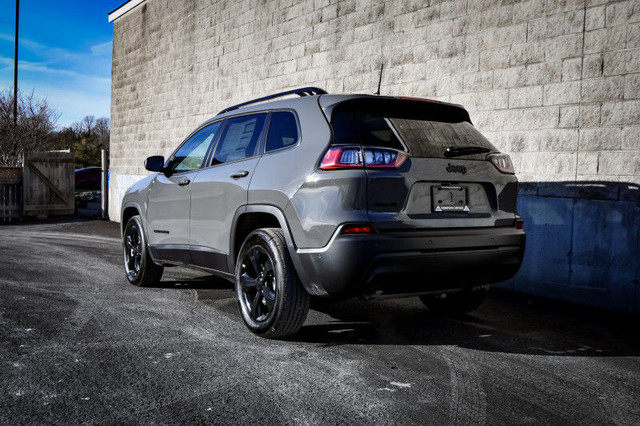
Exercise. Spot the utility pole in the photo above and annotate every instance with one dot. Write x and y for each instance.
(15, 71)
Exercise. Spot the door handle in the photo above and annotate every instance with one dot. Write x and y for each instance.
(184, 181)
(240, 174)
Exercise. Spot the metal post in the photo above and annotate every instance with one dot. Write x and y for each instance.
(104, 184)
(15, 70)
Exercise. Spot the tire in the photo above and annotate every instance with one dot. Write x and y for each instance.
(138, 265)
(454, 304)
(271, 299)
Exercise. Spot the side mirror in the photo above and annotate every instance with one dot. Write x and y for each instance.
(154, 163)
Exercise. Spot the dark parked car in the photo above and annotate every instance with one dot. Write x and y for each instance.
(330, 196)
(88, 179)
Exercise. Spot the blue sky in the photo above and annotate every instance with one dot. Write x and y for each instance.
(65, 54)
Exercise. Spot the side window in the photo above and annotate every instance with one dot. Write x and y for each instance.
(191, 154)
(283, 130)
(240, 138)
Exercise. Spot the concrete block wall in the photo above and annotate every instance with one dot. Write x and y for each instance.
(555, 83)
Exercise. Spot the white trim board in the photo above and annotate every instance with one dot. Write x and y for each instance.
(123, 9)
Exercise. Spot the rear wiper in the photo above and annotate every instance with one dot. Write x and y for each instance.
(457, 151)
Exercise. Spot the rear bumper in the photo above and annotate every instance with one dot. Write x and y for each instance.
(406, 263)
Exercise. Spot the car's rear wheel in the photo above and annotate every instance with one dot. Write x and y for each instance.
(458, 303)
(138, 265)
(271, 298)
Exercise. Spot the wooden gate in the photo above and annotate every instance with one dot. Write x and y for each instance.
(10, 193)
(48, 183)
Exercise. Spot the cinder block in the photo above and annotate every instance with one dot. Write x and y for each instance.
(523, 141)
(468, 24)
(509, 77)
(612, 113)
(453, 9)
(571, 69)
(631, 112)
(528, 10)
(550, 163)
(588, 162)
(631, 137)
(622, 13)
(525, 97)
(601, 139)
(590, 115)
(527, 53)
(633, 36)
(603, 89)
(569, 117)
(567, 46)
(595, 18)
(494, 59)
(562, 93)
(451, 47)
(605, 39)
(619, 163)
(544, 72)
(478, 81)
(558, 140)
(540, 118)
(615, 63)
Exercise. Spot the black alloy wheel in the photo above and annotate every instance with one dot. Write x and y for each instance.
(258, 284)
(132, 252)
(138, 265)
(271, 299)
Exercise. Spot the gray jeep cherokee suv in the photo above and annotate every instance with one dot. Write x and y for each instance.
(330, 195)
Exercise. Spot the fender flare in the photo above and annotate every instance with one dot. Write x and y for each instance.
(288, 237)
(135, 205)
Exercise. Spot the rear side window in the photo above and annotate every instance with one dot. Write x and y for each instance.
(354, 127)
(424, 129)
(283, 130)
(240, 138)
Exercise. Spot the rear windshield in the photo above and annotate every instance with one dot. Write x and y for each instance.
(422, 129)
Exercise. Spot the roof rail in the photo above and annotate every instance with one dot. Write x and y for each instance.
(303, 91)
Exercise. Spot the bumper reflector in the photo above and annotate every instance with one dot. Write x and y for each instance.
(357, 229)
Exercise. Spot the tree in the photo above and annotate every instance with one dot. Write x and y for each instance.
(86, 139)
(34, 131)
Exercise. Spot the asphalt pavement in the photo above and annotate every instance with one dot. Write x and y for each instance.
(81, 345)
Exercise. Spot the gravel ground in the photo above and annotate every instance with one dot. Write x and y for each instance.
(80, 345)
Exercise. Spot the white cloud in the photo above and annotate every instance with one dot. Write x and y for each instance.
(41, 67)
(102, 49)
(50, 53)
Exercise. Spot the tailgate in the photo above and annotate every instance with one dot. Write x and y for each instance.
(441, 193)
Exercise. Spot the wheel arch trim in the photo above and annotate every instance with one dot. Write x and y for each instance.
(284, 225)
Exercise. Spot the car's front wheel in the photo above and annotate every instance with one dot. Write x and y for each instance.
(458, 303)
(138, 265)
(271, 298)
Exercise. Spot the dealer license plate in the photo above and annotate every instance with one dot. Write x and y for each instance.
(449, 198)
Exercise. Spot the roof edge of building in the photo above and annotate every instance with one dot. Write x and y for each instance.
(126, 7)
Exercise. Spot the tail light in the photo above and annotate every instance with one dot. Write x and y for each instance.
(347, 157)
(519, 223)
(383, 158)
(502, 162)
(355, 157)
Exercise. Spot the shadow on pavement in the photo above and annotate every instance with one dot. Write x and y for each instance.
(205, 282)
(506, 323)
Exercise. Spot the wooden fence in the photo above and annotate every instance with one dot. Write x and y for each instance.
(48, 183)
(10, 193)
